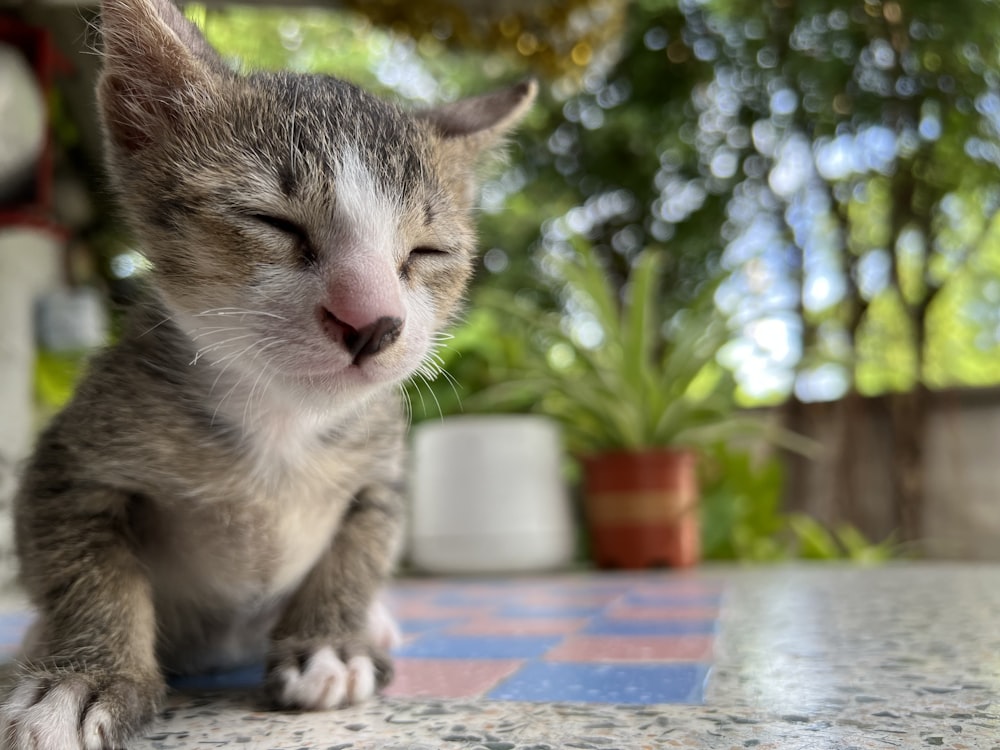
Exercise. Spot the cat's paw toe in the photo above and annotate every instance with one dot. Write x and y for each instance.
(319, 684)
(361, 679)
(98, 728)
(325, 681)
(72, 712)
(38, 716)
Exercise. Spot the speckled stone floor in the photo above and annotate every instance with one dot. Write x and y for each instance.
(903, 656)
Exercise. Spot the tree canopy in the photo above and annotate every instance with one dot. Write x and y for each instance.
(834, 160)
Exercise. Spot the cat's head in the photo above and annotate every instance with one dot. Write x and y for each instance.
(292, 220)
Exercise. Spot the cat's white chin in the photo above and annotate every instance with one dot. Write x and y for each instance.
(349, 378)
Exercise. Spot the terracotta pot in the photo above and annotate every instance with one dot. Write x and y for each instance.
(642, 508)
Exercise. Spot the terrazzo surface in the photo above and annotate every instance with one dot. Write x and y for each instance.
(903, 656)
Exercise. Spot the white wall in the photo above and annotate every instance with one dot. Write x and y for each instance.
(30, 261)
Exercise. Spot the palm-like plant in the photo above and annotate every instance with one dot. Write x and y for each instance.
(642, 383)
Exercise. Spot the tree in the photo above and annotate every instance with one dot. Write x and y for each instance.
(877, 136)
(836, 158)
(839, 159)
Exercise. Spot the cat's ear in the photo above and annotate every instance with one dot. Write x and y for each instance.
(478, 123)
(156, 65)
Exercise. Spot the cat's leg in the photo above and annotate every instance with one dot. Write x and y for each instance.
(324, 652)
(88, 678)
(382, 626)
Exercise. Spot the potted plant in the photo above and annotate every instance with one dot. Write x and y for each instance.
(487, 489)
(636, 396)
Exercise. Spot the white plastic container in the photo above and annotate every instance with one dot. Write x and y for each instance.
(488, 496)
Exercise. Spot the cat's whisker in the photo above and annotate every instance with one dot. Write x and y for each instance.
(437, 403)
(156, 325)
(266, 365)
(291, 130)
(441, 345)
(214, 347)
(231, 358)
(229, 393)
(209, 330)
(420, 377)
(253, 389)
(236, 355)
(272, 340)
(455, 386)
(433, 363)
(407, 405)
(240, 311)
(270, 380)
(420, 395)
(433, 367)
(428, 370)
(219, 311)
(228, 359)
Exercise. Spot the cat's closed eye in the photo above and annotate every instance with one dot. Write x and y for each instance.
(419, 253)
(293, 230)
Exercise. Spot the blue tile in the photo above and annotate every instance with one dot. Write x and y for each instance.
(439, 646)
(245, 677)
(673, 600)
(458, 599)
(605, 683)
(552, 610)
(608, 626)
(470, 599)
(494, 598)
(415, 625)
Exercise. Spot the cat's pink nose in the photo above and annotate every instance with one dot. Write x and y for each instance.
(366, 341)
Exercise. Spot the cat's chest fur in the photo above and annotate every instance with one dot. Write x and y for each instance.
(265, 518)
(227, 543)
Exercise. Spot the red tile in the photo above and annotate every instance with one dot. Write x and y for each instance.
(519, 626)
(448, 678)
(572, 599)
(679, 588)
(419, 610)
(614, 648)
(636, 612)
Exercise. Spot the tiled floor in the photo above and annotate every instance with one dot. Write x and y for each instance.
(638, 639)
(905, 656)
(606, 639)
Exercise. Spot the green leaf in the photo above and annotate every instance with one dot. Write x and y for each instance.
(858, 549)
(56, 376)
(815, 541)
(638, 325)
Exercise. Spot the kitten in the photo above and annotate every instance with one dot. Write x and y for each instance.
(226, 483)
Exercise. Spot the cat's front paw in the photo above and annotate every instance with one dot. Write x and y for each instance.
(77, 711)
(322, 676)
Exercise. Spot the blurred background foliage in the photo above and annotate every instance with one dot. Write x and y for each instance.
(835, 158)
(833, 162)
